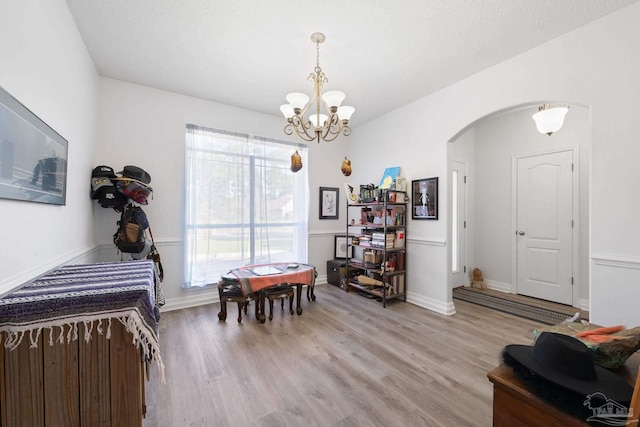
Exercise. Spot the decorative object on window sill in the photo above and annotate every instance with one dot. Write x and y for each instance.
(346, 167)
(550, 119)
(317, 126)
(296, 162)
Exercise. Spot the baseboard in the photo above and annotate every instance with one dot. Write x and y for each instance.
(199, 298)
(499, 286)
(584, 304)
(448, 309)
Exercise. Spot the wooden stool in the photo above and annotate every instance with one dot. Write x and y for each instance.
(230, 291)
(279, 292)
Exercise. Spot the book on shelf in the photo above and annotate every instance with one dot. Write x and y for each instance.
(398, 241)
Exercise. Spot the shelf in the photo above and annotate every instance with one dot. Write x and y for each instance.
(374, 225)
(389, 250)
(377, 291)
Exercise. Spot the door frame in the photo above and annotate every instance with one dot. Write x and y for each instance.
(575, 200)
(463, 231)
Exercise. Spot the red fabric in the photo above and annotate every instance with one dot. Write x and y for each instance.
(250, 282)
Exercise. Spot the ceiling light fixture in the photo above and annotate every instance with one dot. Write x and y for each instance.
(550, 119)
(327, 119)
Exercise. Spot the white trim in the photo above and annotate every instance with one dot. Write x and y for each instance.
(500, 286)
(427, 241)
(617, 261)
(317, 234)
(10, 283)
(203, 297)
(584, 304)
(446, 308)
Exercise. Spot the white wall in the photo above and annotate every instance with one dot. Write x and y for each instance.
(595, 66)
(45, 66)
(145, 127)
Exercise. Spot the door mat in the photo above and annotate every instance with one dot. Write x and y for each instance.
(526, 311)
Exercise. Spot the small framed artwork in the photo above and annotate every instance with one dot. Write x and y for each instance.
(340, 247)
(424, 203)
(329, 202)
(33, 156)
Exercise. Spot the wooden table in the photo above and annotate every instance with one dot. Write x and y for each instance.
(514, 405)
(255, 279)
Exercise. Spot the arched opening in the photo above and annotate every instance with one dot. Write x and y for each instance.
(484, 218)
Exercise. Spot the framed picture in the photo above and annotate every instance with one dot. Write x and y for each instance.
(340, 247)
(33, 157)
(424, 203)
(329, 202)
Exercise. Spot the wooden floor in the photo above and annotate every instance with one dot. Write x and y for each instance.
(345, 361)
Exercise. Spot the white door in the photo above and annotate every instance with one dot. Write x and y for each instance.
(459, 273)
(544, 230)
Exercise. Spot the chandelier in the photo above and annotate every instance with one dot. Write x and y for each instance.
(550, 119)
(326, 119)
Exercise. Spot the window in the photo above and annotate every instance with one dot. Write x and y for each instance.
(243, 204)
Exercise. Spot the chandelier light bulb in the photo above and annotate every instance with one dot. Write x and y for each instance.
(333, 98)
(318, 120)
(297, 100)
(345, 112)
(287, 111)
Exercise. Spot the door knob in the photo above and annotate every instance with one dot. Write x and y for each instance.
(521, 233)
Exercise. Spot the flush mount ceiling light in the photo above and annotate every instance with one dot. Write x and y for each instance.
(326, 119)
(549, 119)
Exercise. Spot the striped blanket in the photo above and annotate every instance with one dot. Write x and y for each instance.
(91, 294)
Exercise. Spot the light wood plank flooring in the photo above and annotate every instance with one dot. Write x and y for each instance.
(345, 361)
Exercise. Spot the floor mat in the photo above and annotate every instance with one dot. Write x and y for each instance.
(527, 311)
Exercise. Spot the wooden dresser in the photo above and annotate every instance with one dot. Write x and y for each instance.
(84, 365)
(514, 405)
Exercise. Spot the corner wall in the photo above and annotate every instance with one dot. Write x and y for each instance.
(45, 66)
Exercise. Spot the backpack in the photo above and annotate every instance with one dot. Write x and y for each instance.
(130, 236)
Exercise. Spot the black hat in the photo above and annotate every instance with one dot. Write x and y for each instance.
(99, 171)
(136, 173)
(567, 362)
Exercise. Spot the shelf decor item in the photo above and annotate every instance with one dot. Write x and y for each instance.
(388, 177)
(424, 198)
(329, 202)
(33, 157)
(340, 247)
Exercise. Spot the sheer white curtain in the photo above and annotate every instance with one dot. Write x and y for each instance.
(243, 204)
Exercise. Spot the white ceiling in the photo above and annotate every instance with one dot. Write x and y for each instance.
(381, 53)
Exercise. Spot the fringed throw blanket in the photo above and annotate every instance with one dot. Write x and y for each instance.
(254, 278)
(92, 294)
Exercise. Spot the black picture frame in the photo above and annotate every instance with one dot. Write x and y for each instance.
(424, 200)
(340, 246)
(329, 202)
(33, 157)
